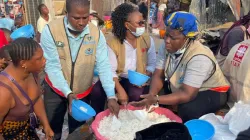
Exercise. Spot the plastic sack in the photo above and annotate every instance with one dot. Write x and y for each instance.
(164, 131)
(235, 121)
(100, 116)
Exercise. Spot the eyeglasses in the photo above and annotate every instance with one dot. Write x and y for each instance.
(140, 23)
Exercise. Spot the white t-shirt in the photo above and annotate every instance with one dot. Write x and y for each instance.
(41, 23)
(198, 70)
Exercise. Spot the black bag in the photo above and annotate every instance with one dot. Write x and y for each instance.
(164, 131)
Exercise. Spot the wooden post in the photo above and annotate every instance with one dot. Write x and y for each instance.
(148, 15)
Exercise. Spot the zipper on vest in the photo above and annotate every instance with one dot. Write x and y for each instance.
(73, 64)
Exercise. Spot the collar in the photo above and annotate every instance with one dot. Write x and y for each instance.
(84, 32)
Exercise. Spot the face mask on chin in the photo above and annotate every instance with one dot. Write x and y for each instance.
(70, 27)
(183, 49)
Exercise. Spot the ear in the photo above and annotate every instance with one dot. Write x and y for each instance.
(126, 25)
(23, 63)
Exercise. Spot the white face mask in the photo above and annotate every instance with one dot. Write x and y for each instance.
(69, 26)
(139, 31)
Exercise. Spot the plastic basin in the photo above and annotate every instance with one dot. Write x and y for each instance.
(81, 111)
(137, 78)
(200, 129)
(26, 31)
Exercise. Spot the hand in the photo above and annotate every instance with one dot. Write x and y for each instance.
(49, 134)
(113, 107)
(122, 97)
(71, 97)
(147, 101)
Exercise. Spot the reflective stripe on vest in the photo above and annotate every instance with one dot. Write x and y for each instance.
(220, 89)
(79, 95)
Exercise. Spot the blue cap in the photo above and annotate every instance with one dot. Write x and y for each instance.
(183, 21)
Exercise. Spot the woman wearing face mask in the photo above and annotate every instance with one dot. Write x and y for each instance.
(238, 32)
(193, 79)
(130, 49)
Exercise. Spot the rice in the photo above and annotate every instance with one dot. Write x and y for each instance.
(129, 125)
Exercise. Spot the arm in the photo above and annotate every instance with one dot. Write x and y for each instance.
(104, 68)
(158, 76)
(198, 70)
(53, 67)
(39, 109)
(121, 93)
(151, 58)
(5, 105)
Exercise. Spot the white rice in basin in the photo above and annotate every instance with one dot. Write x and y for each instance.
(129, 125)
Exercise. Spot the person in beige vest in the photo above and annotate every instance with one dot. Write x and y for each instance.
(130, 49)
(187, 70)
(236, 69)
(73, 47)
(236, 34)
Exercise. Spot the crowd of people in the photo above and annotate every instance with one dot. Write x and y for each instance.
(71, 49)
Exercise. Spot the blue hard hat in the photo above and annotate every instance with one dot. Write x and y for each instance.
(26, 31)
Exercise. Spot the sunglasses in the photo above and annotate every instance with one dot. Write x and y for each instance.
(140, 23)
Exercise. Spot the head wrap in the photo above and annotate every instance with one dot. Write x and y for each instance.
(183, 21)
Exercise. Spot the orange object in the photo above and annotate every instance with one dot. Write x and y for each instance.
(221, 89)
(162, 33)
(108, 24)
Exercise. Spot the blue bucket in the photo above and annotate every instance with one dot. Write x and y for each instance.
(200, 129)
(81, 111)
(137, 78)
(26, 31)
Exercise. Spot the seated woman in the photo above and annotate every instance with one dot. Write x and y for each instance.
(193, 79)
(20, 96)
(236, 34)
(130, 49)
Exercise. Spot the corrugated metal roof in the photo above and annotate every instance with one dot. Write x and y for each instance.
(31, 11)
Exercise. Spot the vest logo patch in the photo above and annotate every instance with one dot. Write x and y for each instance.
(88, 40)
(181, 79)
(239, 54)
(89, 51)
(59, 44)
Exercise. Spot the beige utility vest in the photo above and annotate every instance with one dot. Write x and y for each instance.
(237, 69)
(79, 74)
(221, 58)
(143, 44)
(217, 78)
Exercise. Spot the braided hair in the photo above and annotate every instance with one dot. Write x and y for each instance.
(119, 17)
(22, 49)
(70, 3)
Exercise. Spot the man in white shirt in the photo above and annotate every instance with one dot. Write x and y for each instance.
(43, 20)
